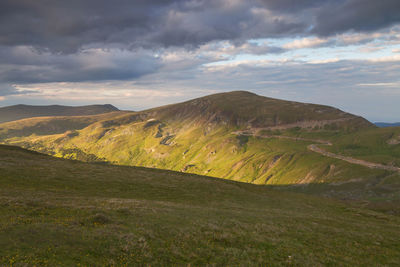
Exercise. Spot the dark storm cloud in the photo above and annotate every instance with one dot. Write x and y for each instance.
(67, 26)
(357, 15)
(293, 5)
(7, 89)
(24, 65)
(92, 40)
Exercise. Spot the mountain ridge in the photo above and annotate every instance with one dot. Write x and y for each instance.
(387, 124)
(22, 111)
(246, 109)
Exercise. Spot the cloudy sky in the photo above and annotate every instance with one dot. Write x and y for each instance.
(138, 54)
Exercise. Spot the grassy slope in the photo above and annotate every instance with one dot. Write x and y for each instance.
(59, 212)
(381, 145)
(196, 136)
(213, 151)
(378, 145)
(272, 161)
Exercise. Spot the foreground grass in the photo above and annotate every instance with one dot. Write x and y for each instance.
(59, 212)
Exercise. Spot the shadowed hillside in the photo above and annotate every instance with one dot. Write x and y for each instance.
(17, 112)
(58, 212)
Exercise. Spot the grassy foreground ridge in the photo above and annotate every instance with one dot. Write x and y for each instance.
(61, 212)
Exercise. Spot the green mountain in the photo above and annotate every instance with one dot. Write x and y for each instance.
(238, 136)
(247, 110)
(57, 212)
(17, 112)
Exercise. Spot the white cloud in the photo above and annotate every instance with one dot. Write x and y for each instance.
(358, 38)
(371, 49)
(305, 43)
(324, 61)
(392, 58)
(392, 84)
(372, 41)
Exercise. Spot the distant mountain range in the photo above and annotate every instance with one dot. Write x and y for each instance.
(387, 124)
(17, 112)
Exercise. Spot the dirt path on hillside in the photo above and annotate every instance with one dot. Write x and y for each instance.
(315, 148)
(302, 124)
(361, 162)
(322, 142)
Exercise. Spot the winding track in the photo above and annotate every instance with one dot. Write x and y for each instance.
(315, 148)
(371, 165)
